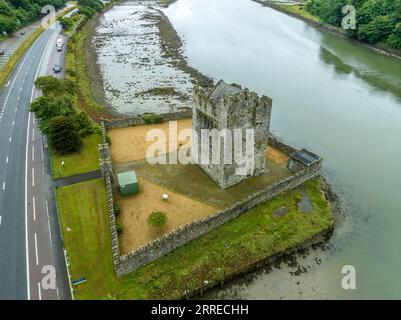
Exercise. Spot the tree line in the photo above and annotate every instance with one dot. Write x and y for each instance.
(376, 20)
(16, 13)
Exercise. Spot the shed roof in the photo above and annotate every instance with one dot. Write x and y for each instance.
(126, 178)
(305, 156)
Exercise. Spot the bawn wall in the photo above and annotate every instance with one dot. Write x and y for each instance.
(133, 260)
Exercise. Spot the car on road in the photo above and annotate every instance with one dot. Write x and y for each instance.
(22, 33)
(57, 68)
(2, 52)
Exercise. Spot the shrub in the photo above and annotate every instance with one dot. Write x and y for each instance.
(117, 209)
(157, 219)
(108, 139)
(119, 228)
(152, 118)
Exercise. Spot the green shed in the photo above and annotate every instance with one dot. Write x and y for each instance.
(127, 183)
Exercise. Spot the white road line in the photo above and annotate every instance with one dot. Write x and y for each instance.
(4, 185)
(11, 138)
(7, 160)
(34, 209)
(33, 177)
(33, 153)
(0, 220)
(36, 249)
(39, 291)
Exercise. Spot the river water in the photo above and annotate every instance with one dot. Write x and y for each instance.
(337, 99)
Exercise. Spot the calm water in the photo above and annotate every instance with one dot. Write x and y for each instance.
(333, 97)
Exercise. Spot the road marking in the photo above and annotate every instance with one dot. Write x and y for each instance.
(4, 185)
(33, 153)
(36, 249)
(0, 220)
(8, 83)
(11, 138)
(7, 160)
(39, 291)
(33, 177)
(34, 209)
(33, 134)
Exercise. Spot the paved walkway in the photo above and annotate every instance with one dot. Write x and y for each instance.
(78, 178)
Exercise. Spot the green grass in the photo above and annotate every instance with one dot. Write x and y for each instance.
(299, 10)
(86, 236)
(226, 250)
(87, 159)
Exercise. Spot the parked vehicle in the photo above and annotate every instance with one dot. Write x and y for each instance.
(22, 33)
(57, 68)
(2, 52)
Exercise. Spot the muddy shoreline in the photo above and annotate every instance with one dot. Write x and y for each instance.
(291, 254)
(171, 53)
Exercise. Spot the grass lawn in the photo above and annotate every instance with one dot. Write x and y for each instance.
(87, 159)
(84, 221)
(299, 10)
(225, 250)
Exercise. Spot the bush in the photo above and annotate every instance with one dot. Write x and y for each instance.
(157, 219)
(119, 228)
(63, 135)
(108, 139)
(117, 209)
(152, 118)
(82, 124)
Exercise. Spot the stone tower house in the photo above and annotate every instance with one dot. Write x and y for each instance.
(234, 108)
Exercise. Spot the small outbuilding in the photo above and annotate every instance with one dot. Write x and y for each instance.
(127, 183)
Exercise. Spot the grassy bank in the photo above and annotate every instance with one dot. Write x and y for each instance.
(299, 10)
(85, 160)
(76, 70)
(224, 251)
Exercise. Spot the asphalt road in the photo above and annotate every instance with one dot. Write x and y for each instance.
(30, 244)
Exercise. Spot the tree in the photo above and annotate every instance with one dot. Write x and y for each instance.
(51, 85)
(63, 135)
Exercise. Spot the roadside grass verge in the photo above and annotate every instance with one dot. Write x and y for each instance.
(227, 250)
(86, 235)
(85, 160)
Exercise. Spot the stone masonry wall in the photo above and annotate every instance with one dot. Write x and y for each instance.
(124, 264)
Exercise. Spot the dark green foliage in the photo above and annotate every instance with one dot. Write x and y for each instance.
(63, 135)
(15, 13)
(152, 118)
(53, 86)
(157, 219)
(117, 209)
(89, 7)
(66, 23)
(119, 228)
(59, 101)
(83, 124)
(48, 106)
(376, 20)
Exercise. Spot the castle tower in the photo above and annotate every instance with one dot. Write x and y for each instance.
(224, 112)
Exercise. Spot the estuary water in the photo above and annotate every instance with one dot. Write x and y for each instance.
(337, 99)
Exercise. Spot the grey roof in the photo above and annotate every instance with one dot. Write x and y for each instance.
(221, 89)
(305, 156)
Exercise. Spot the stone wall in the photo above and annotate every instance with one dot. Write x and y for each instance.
(124, 264)
(139, 120)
